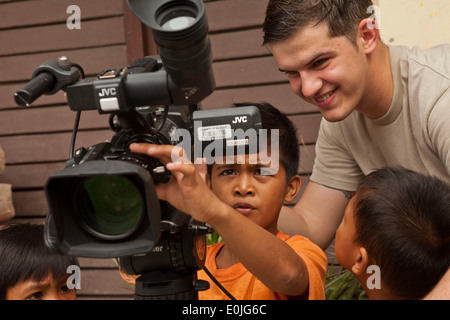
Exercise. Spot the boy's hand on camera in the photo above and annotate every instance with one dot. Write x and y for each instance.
(187, 189)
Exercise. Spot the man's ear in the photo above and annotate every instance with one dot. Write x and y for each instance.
(293, 188)
(368, 35)
(361, 262)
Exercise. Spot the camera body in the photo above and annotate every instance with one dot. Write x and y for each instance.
(92, 200)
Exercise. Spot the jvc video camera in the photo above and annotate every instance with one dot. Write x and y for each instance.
(104, 204)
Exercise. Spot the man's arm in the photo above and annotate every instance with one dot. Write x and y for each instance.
(317, 215)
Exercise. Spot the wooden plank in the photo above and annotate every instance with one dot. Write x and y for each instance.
(247, 72)
(103, 282)
(49, 119)
(307, 127)
(235, 14)
(48, 147)
(57, 37)
(238, 44)
(30, 175)
(94, 60)
(94, 263)
(26, 13)
(30, 203)
(279, 95)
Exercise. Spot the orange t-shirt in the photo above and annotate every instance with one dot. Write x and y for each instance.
(243, 285)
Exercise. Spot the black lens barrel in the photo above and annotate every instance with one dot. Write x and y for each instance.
(184, 51)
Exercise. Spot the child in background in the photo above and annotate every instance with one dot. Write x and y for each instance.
(242, 201)
(398, 221)
(28, 269)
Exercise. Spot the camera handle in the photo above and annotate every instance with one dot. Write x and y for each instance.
(48, 78)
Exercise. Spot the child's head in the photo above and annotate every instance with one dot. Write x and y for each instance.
(251, 186)
(399, 220)
(30, 270)
(274, 119)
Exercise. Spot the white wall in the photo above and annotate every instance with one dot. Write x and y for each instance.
(415, 22)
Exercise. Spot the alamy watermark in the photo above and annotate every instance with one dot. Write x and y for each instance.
(374, 280)
(226, 143)
(74, 20)
(374, 21)
(74, 280)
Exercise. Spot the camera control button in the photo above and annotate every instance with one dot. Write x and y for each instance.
(109, 104)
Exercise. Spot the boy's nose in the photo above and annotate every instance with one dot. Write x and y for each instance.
(244, 186)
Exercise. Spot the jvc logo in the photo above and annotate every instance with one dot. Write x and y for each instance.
(241, 119)
(107, 92)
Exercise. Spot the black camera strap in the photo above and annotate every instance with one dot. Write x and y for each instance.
(218, 283)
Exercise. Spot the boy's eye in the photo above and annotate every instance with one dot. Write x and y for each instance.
(64, 289)
(227, 172)
(35, 296)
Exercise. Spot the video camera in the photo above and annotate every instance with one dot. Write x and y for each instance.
(103, 204)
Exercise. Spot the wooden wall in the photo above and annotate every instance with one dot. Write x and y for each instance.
(36, 139)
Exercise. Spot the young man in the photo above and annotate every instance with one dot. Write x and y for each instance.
(242, 201)
(398, 222)
(382, 106)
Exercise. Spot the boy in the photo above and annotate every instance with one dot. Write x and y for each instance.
(242, 202)
(28, 269)
(398, 221)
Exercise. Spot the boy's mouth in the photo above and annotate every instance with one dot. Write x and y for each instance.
(243, 208)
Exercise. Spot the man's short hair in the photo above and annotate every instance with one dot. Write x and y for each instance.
(284, 18)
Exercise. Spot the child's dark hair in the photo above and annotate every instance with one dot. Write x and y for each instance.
(24, 256)
(402, 218)
(272, 118)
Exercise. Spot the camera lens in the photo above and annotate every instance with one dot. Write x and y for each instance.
(110, 207)
(175, 16)
(178, 22)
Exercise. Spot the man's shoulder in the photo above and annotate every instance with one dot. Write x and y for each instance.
(435, 59)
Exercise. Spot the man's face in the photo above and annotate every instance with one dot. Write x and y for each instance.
(330, 73)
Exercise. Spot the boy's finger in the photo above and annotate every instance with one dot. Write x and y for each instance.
(174, 153)
(185, 173)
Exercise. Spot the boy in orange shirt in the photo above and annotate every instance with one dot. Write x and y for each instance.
(242, 201)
